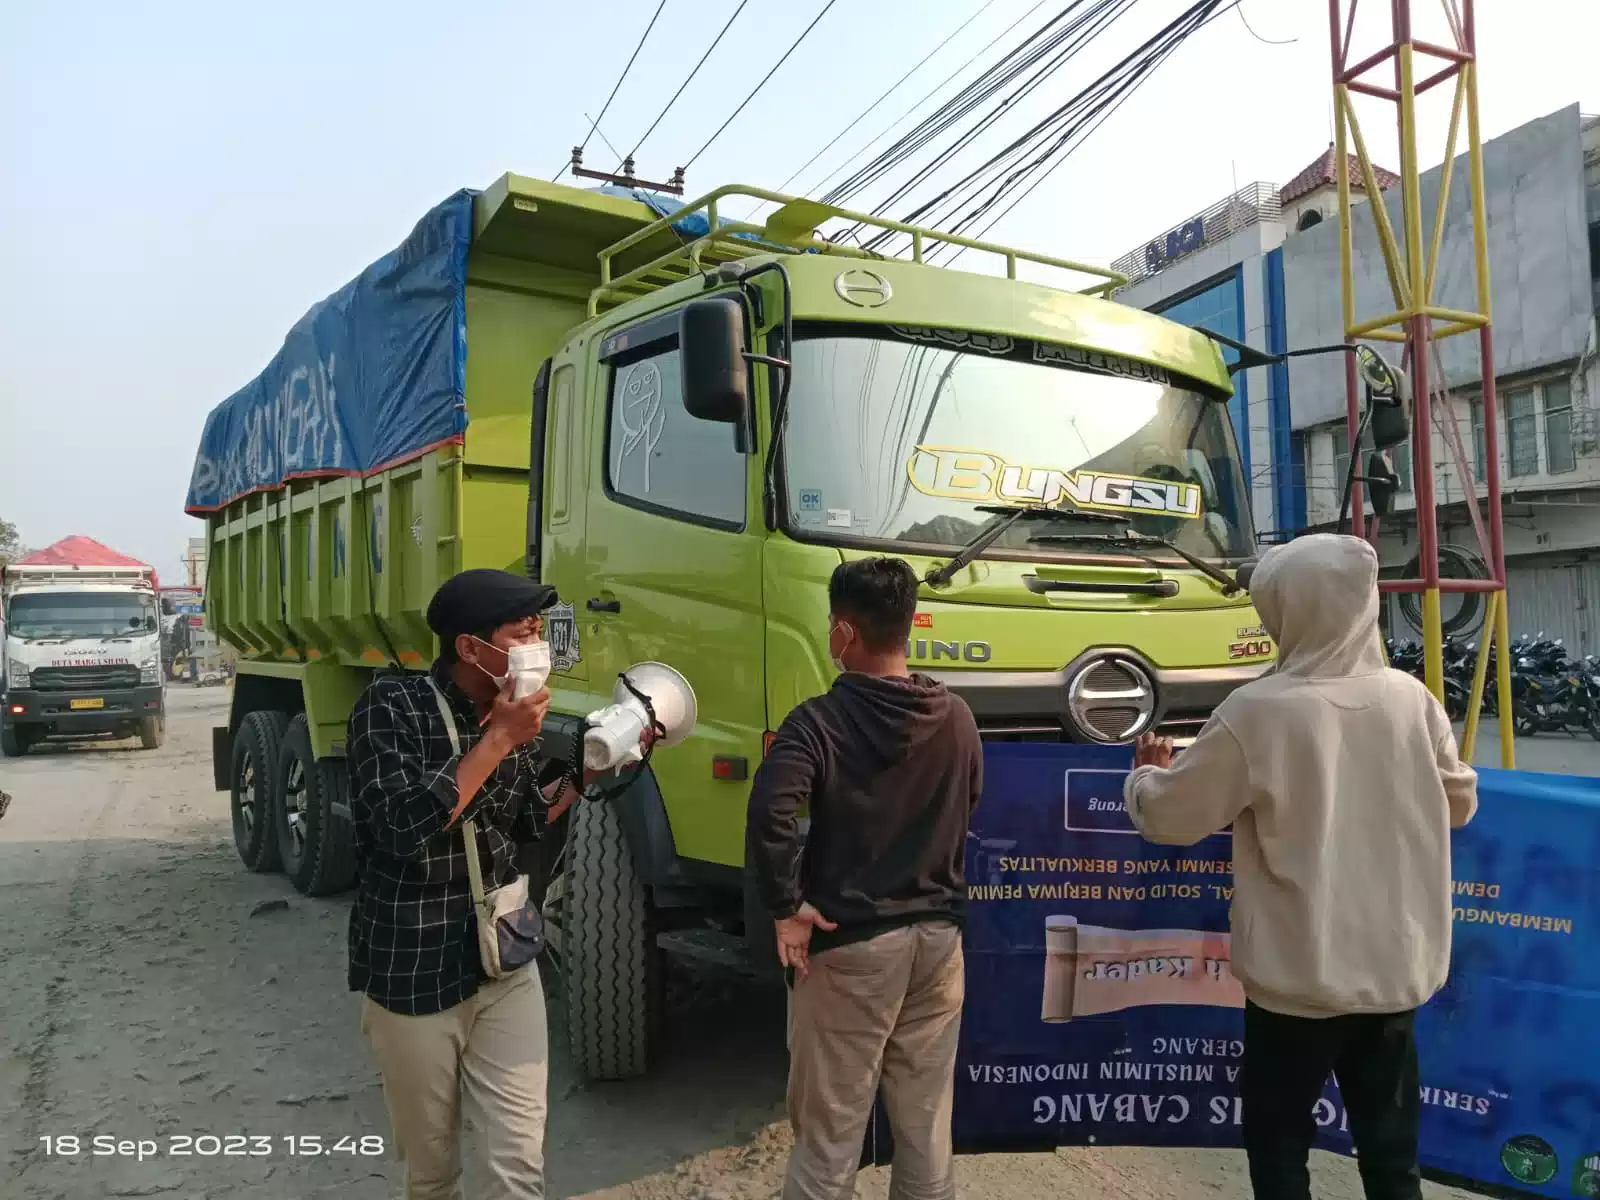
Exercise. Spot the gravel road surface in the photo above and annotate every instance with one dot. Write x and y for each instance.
(156, 992)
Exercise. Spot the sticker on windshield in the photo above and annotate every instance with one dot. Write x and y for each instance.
(980, 478)
(810, 499)
(839, 518)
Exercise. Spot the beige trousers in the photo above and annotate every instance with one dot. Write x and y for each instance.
(887, 1009)
(489, 1055)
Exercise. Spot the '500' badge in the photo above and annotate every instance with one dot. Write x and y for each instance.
(1252, 643)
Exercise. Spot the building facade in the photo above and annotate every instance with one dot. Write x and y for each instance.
(1276, 278)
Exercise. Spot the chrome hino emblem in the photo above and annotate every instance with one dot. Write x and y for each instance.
(863, 288)
(1111, 699)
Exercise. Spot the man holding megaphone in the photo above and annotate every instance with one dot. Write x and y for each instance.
(444, 785)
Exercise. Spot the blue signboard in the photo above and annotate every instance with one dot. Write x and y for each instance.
(1101, 1008)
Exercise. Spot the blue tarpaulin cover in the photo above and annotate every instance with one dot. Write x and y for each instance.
(1510, 1049)
(373, 375)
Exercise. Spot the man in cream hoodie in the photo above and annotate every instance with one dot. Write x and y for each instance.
(1342, 782)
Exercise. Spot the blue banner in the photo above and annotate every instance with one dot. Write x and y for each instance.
(1101, 1009)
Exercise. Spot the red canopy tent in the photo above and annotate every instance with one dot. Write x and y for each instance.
(80, 551)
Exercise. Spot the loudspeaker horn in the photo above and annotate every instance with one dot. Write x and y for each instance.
(614, 731)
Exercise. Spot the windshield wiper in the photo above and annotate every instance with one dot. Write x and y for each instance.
(939, 576)
(1131, 538)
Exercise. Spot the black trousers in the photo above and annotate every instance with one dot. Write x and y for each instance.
(1287, 1061)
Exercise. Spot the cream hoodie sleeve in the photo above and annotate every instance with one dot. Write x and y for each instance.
(1207, 786)
(1460, 781)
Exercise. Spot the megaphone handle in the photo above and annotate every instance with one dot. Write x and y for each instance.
(656, 727)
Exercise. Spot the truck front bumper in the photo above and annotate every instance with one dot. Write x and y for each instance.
(82, 712)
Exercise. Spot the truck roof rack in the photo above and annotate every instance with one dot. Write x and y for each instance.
(791, 229)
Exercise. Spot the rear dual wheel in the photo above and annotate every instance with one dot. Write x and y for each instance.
(255, 763)
(316, 844)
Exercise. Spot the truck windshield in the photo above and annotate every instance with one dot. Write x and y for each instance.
(80, 615)
(896, 435)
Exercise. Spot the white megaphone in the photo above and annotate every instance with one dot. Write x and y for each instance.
(614, 731)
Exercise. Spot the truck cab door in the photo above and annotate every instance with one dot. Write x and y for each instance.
(674, 543)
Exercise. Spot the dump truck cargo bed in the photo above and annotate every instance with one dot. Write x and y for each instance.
(386, 446)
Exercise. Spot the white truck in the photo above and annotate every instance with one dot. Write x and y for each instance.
(82, 650)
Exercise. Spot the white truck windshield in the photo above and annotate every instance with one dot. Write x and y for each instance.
(895, 435)
(33, 615)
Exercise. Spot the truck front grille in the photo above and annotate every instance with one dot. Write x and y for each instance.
(84, 679)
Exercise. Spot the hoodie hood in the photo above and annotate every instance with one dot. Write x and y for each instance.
(1318, 598)
(895, 716)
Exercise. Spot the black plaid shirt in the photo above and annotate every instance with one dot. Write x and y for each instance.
(413, 941)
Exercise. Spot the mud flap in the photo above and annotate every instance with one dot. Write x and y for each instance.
(221, 758)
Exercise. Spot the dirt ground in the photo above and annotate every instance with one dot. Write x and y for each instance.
(154, 990)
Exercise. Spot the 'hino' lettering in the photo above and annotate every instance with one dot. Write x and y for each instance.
(924, 648)
(985, 478)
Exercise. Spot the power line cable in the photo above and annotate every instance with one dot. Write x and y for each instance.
(1139, 61)
(1098, 119)
(1265, 41)
(662, 114)
(894, 87)
(1019, 59)
(796, 45)
(596, 123)
(602, 133)
(937, 88)
(1053, 53)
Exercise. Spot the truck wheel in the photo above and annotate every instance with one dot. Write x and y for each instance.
(610, 961)
(152, 730)
(12, 743)
(317, 845)
(255, 761)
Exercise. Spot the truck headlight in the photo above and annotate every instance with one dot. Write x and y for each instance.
(150, 672)
(16, 674)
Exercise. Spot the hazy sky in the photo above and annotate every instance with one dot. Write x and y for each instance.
(181, 181)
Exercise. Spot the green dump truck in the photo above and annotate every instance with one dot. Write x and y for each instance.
(684, 420)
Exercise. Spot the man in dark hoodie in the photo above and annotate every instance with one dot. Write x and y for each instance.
(869, 912)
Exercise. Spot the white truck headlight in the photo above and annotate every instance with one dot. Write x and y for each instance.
(150, 672)
(16, 674)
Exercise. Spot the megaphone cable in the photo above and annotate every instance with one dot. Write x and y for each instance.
(575, 767)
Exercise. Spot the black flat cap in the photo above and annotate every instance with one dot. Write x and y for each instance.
(482, 599)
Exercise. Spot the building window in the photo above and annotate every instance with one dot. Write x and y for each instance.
(1307, 219)
(1558, 427)
(1399, 457)
(658, 457)
(1522, 433)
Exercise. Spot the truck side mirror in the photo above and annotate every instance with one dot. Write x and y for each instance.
(1382, 484)
(1389, 424)
(715, 376)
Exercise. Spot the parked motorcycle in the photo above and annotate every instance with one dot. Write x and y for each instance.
(1551, 693)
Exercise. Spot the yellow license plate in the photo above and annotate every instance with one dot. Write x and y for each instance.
(97, 702)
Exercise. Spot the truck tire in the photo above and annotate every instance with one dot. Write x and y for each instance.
(316, 844)
(610, 961)
(12, 743)
(255, 764)
(152, 731)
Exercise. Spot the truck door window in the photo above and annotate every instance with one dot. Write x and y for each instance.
(661, 459)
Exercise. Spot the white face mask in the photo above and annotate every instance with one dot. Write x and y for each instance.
(838, 662)
(528, 664)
